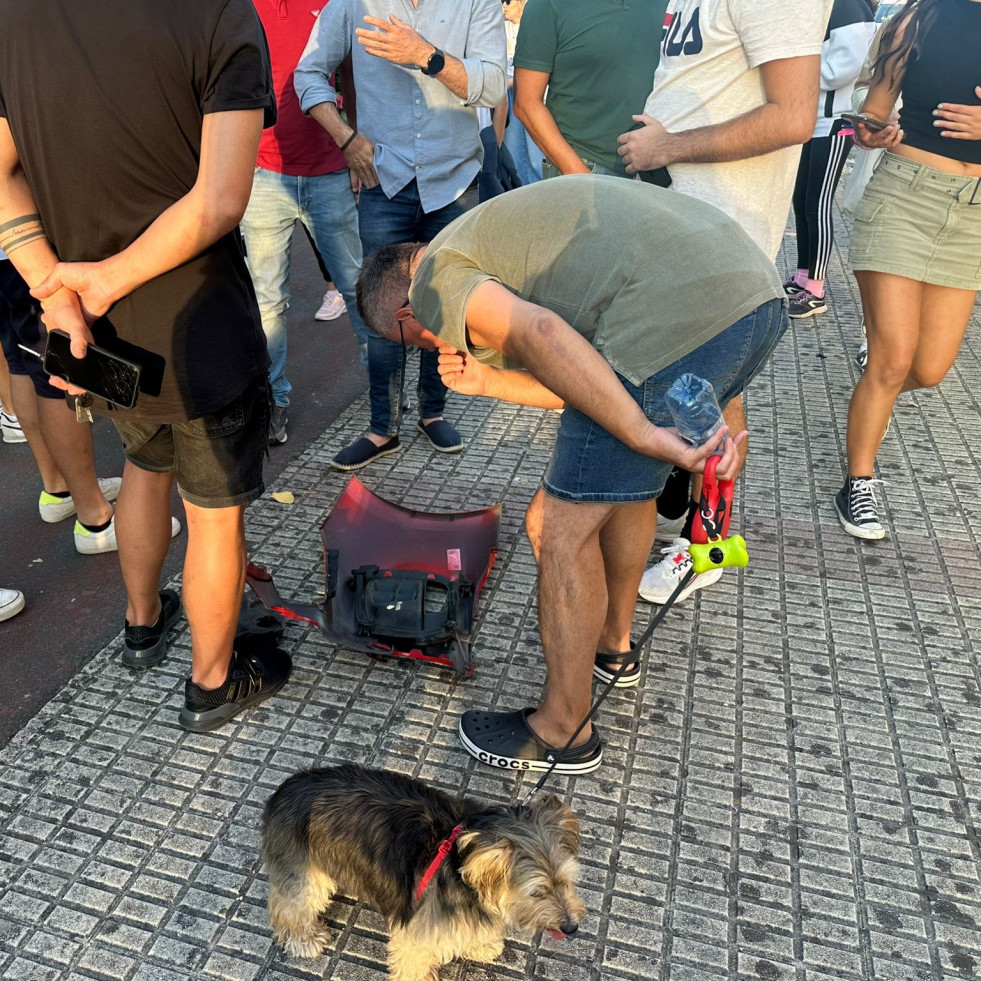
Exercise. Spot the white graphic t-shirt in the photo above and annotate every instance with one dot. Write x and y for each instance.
(709, 72)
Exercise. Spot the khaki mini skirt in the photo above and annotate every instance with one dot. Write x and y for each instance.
(921, 223)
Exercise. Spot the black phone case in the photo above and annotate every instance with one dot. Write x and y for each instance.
(104, 374)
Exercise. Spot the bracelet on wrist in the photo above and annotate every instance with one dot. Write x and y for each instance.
(349, 140)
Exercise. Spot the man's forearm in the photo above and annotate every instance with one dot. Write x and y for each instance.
(454, 77)
(566, 364)
(180, 233)
(752, 134)
(521, 388)
(328, 116)
(22, 236)
(548, 137)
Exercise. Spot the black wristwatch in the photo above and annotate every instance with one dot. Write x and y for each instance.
(436, 63)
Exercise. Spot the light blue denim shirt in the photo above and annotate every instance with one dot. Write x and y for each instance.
(419, 127)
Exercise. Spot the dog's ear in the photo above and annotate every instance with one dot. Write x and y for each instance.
(486, 866)
(558, 814)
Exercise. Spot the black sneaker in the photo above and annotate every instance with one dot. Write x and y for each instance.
(505, 740)
(252, 678)
(792, 287)
(805, 304)
(858, 509)
(147, 646)
(277, 424)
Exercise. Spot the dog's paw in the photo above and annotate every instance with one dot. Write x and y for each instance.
(310, 946)
(485, 953)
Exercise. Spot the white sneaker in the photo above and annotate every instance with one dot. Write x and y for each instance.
(95, 542)
(10, 428)
(11, 603)
(332, 307)
(660, 581)
(54, 509)
(668, 529)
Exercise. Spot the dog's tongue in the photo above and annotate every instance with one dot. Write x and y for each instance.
(557, 935)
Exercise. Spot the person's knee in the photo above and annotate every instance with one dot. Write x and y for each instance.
(890, 371)
(215, 521)
(926, 376)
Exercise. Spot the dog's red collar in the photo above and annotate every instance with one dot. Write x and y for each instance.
(441, 853)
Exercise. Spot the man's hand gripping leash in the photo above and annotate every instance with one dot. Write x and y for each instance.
(710, 547)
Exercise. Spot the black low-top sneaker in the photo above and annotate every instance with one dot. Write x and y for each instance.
(147, 646)
(804, 304)
(858, 509)
(252, 678)
(505, 740)
(791, 287)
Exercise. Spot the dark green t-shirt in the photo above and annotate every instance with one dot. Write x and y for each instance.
(646, 275)
(601, 56)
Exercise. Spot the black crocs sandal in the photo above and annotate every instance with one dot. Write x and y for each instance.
(605, 668)
(505, 740)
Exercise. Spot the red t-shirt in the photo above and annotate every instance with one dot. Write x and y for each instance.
(297, 145)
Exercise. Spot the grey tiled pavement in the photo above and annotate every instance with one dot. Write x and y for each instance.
(793, 793)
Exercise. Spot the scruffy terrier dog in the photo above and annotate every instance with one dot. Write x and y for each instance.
(449, 875)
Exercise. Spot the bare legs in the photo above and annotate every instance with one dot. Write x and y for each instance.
(143, 535)
(214, 567)
(590, 558)
(914, 333)
(214, 581)
(62, 449)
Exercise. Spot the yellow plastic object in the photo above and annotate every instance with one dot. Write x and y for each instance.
(720, 554)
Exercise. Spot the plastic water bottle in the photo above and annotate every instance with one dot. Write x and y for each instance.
(694, 408)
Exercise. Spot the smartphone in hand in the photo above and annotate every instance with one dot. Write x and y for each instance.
(876, 125)
(109, 376)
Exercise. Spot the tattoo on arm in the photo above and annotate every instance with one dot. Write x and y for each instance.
(20, 231)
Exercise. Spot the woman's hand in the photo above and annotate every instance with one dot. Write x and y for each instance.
(462, 373)
(958, 122)
(882, 139)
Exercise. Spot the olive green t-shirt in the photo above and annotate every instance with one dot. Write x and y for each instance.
(645, 274)
(600, 57)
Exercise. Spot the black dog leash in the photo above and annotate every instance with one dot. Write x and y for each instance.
(638, 650)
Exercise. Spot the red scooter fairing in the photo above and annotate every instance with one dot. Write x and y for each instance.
(400, 583)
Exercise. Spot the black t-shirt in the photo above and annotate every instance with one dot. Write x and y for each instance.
(944, 68)
(105, 100)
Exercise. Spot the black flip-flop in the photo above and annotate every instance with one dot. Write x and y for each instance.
(505, 740)
(605, 668)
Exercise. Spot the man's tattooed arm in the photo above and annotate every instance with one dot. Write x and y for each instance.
(20, 231)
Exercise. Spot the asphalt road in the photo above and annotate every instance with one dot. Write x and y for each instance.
(76, 603)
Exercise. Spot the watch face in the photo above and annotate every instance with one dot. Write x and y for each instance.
(436, 63)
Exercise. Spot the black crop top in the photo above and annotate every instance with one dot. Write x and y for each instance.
(945, 68)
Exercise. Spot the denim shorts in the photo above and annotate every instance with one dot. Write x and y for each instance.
(20, 324)
(919, 223)
(217, 459)
(589, 466)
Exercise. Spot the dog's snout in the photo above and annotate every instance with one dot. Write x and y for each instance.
(569, 927)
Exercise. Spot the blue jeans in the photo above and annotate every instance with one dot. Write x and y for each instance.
(327, 208)
(589, 466)
(389, 221)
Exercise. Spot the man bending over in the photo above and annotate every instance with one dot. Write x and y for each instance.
(547, 296)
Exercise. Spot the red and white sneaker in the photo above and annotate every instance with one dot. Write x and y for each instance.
(660, 581)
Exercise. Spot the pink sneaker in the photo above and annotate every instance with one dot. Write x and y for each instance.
(332, 307)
